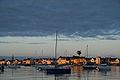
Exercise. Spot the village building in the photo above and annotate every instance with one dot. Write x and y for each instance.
(28, 61)
(8, 62)
(2, 61)
(114, 61)
(98, 60)
(75, 60)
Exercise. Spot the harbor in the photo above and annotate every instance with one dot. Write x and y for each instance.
(77, 73)
(59, 40)
(90, 71)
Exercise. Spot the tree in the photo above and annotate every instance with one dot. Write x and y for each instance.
(79, 52)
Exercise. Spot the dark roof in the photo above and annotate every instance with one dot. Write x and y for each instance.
(71, 57)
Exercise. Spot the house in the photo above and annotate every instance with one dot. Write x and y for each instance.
(19, 62)
(2, 61)
(26, 61)
(94, 60)
(48, 61)
(63, 60)
(75, 60)
(36, 61)
(98, 60)
(15, 61)
(114, 61)
(8, 62)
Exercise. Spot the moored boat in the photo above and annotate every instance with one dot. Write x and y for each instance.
(41, 67)
(13, 66)
(104, 67)
(89, 67)
(56, 69)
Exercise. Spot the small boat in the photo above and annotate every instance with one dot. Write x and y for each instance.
(57, 69)
(89, 67)
(104, 67)
(13, 66)
(41, 67)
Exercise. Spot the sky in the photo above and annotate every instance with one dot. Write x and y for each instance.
(28, 27)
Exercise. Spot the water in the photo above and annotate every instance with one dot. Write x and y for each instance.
(30, 73)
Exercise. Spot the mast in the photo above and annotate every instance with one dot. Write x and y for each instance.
(12, 58)
(87, 50)
(42, 53)
(56, 46)
(56, 50)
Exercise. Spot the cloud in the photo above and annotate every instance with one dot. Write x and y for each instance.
(108, 37)
(37, 43)
(75, 19)
(5, 42)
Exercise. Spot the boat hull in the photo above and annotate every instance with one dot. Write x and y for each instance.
(58, 71)
(89, 67)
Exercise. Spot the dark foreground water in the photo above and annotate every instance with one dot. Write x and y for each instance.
(30, 73)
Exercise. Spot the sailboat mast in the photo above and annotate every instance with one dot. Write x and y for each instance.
(56, 50)
(56, 46)
(87, 50)
(42, 53)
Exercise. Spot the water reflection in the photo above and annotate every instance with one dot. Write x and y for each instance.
(62, 77)
(77, 73)
(82, 74)
(115, 69)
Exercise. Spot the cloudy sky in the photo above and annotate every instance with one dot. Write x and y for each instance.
(27, 27)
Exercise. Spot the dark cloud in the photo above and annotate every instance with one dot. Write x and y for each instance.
(88, 18)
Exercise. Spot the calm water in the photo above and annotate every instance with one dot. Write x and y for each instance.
(30, 73)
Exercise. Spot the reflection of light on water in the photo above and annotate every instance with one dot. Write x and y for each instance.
(115, 69)
(64, 77)
(77, 73)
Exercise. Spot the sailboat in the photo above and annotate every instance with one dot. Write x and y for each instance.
(89, 65)
(13, 66)
(56, 69)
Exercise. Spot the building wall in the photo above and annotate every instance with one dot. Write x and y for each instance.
(98, 60)
(2, 62)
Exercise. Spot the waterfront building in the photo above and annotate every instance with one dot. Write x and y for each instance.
(2, 61)
(26, 61)
(8, 62)
(75, 60)
(98, 60)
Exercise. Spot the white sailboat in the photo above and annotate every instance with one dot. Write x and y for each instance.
(56, 69)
